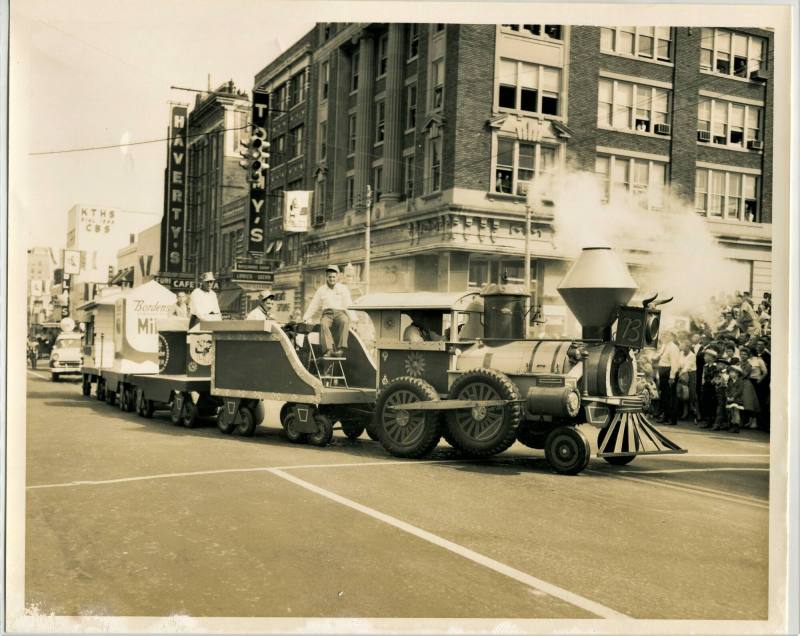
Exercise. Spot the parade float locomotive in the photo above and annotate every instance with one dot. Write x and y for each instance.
(484, 395)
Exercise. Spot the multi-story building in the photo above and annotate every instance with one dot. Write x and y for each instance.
(450, 125)
(139, 262)
(41, 268)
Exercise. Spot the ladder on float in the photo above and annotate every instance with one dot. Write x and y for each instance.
(328, 369)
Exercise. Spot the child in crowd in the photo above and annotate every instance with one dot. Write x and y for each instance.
(733, 397)
(720, 383)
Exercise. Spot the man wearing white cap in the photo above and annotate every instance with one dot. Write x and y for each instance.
(203, 303)
(333, 300)
(262, 311)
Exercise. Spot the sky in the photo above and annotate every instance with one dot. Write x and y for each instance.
(86, 73)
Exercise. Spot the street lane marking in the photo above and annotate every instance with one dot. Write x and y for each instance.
(697, 490)
(37, 375)
(471, 555)
(693, 470)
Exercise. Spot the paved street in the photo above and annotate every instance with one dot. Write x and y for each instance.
(130, 516)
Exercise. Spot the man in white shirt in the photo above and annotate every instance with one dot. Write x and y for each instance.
(181, 308)
(332, 300)
(263, 310)
(203, 303)
(669, 363)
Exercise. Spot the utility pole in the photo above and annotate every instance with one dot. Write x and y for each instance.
(528, 211)
(367, 239)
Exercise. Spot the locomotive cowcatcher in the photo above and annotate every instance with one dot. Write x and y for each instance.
(483, 392)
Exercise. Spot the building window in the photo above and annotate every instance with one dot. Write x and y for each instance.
(434, 165)
(518, 164)
(354, 71)
(552, 31)
(411, 107)
(296, 142)
(326, 32)
(627, 106)
(412, 31)
(351, 134)
(652, 43)
(527, 87)
(350, 192)
(437, 84)
(323, 140)
(731, 53)
(729, 195)
(380, 121)
(294, 91)
(624, 177)
(325, 78)
(377, 182)
(729, 123)
(277, 150)
(383, 54)
(408, 176)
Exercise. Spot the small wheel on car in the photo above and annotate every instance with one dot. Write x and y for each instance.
(289, 423)
(324, 431)
(101, 390)
(567, 450)
(176, 409)
(225, 424)
(189, 413)
(246, 422)
(111, 397)
(54, 377)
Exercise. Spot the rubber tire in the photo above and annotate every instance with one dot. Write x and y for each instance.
(189, 413)
(175, 414)
(621, 460)
(353, 429)
(111, 397)
(101, 391)
(371, 432)
(246, 422)
(506, 433)
(428, 424)
(574, 441)
(324, 433)
(86, 387)
(144, 407)
(287, 422)
(531, 438)
(225, 428)
(54, 377)
(121, 400)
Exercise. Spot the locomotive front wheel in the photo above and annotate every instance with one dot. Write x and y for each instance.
(620, 460)
(482, 430)
(289, 423)
(567, 450)
(324, 433)
(405, 433)
(224, 424)
(246, 422)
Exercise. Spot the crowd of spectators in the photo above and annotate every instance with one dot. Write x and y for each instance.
(714, 375)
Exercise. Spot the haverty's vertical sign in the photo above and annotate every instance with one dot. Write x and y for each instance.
(173, 225)
(256, 239)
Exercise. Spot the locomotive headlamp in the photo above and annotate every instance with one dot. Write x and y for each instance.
(572, 402)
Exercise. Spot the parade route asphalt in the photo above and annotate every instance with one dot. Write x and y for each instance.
(129, 516)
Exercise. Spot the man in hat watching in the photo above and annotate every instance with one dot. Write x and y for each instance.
(263, 310)
(203, 303)
(332, 300)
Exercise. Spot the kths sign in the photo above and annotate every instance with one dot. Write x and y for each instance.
(173, 225)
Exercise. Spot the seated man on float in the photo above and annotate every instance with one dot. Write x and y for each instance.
(263, 310)
(421, 328)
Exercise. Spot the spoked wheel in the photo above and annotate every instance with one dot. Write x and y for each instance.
(484, 430)
(567, 450)
(224, 424)
(322, 436)
(86, 387)
(189, 413)
(620, 460)
(245, 422)
(407, 433)
(353, 428)
(289, 423)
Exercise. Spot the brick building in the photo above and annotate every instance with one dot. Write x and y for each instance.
(450, 124)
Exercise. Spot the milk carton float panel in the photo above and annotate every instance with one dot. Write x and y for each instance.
(136, 316)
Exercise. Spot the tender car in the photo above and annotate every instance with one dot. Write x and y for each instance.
(66, 356)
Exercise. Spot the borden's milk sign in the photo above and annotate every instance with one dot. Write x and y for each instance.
(136, 338)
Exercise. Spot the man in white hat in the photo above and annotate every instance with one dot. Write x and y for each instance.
(203, 303)
(263, 310)
(332, 300)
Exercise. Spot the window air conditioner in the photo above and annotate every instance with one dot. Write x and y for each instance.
(662, 129)
(703, 135)
(755, 144)
(756, 76)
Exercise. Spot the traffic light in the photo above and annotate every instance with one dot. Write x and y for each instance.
(255, 155)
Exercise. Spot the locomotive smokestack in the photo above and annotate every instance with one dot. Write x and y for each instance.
(594, 288)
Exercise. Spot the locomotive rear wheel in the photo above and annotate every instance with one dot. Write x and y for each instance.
(482, 430)
(246, 422)
(404, 433)
(223, 424)
(620, 460)
(289, 423)
(324, 433)
(567, 450)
